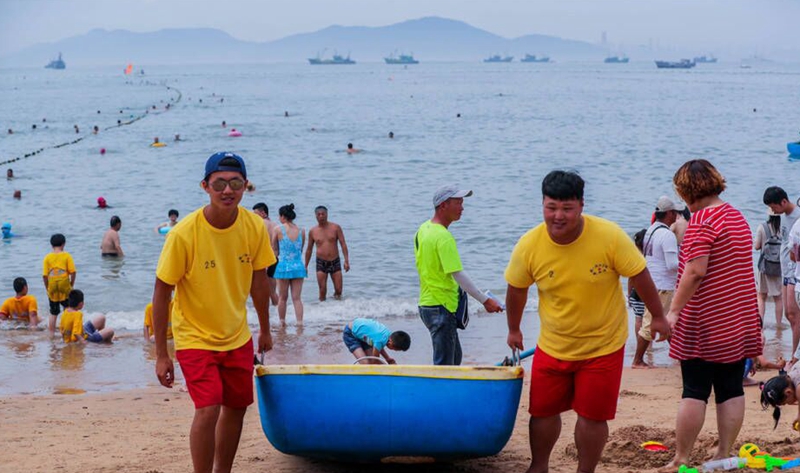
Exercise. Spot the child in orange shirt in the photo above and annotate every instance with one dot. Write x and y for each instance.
(22, 307)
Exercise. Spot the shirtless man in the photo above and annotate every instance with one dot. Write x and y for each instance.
(110, 245)
(262, 211)
(327, 236)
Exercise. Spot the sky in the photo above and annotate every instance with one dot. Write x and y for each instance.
(755, 25)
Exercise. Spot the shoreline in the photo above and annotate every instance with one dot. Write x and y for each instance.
(156, 437)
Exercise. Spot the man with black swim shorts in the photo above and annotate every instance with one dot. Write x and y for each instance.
(327, 236)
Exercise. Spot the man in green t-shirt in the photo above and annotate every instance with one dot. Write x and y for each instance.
(441, 274)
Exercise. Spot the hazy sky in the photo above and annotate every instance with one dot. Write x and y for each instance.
(759, 25)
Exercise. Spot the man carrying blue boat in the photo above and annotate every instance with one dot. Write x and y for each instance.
(441, 274)
(214, 258)
(576, 262)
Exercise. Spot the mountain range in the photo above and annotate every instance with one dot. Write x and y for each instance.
(430, 39)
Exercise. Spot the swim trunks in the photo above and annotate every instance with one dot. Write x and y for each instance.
(271, 270)
(114, 255)
(92, 334)
(329, 267)
(55, 306)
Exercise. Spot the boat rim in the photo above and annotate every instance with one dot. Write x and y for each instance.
(476, 373)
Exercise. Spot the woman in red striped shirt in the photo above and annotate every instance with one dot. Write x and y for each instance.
(714, 313)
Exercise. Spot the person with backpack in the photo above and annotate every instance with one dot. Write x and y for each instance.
(768, 241)
(660, 249)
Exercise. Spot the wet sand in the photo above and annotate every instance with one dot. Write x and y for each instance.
(146, 430)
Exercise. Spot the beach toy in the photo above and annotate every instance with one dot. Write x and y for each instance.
(158, 145)
(791, 464)
(686, 469)
(652, 446)
(749, 450)
(725, 464)
(164, 230)
(793, 148)
(234, 132)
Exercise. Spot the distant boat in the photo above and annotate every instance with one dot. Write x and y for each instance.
(682, 64)
(401, 59)
(616, 60)
(56, 63)
(705, 60)
(533, 58)
(498, 58)
(337, 59)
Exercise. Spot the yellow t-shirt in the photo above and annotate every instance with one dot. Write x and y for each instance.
(71, 326)
(19, 308)
(581, 305)
(212, 271)
(57, 267)
(148, 319)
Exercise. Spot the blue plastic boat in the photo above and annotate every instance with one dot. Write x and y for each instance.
(793, 148)
(368, 413)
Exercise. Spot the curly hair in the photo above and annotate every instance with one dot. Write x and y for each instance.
(697, 179)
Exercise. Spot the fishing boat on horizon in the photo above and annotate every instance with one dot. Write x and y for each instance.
(498, 58)
(705, 59)
(56, 63)
(401, 59)
(336, 59)
(534, 58)
(682, 64)
(616, 60)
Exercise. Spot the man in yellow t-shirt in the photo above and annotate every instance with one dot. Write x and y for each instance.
(21, 307)
(147, 331)
(576, 261)
(441, 274)
(58, 273)
(213, 259)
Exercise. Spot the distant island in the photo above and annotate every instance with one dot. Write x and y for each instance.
(437, 39)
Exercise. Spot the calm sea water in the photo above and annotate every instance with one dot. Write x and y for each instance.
(625, 128)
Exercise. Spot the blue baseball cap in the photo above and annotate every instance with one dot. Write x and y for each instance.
(213, 163)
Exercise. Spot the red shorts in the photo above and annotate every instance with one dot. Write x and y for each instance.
(219, 377)
(589, 387)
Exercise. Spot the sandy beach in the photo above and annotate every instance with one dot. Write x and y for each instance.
(146, 430)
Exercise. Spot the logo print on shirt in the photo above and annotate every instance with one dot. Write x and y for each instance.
(599, 269)
(551, 274)
(245, 258)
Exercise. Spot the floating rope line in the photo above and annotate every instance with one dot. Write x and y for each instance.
(79, 139)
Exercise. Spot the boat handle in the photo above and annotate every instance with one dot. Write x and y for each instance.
(371, 358)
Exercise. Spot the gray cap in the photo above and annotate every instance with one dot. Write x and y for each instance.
(450, 191)
(666, 204)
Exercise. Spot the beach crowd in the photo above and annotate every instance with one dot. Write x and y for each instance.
(690, 274)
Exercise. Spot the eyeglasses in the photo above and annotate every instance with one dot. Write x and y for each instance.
(219, 185)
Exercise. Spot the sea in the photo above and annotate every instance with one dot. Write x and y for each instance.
(496, 129)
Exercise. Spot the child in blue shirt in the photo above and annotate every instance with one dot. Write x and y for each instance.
(367, 337)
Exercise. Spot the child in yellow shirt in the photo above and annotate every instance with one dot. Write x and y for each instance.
(58, 273)
(22, 307)
(72, 327)
(148, 323)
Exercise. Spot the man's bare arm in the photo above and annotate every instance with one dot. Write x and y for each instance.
(340, 237)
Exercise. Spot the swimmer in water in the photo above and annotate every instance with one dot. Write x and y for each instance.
(102, 204)
(18, 194)
(110, 246)
(10, 131)
(155, 141)
(6, 230)
(173, 220)
(177, 137)
(351, 150)
(391, 134)
(77, 130)
(9, 173)
(33, 127)
(224, 124)
(95, 130)
(250, 187)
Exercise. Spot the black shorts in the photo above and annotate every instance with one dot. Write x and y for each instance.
(699, 376)
(54, 306)
(271, 270)
(329, 267)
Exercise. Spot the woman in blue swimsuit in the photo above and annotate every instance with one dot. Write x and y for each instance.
(290, 271)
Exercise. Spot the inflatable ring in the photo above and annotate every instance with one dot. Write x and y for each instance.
(158, 145)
